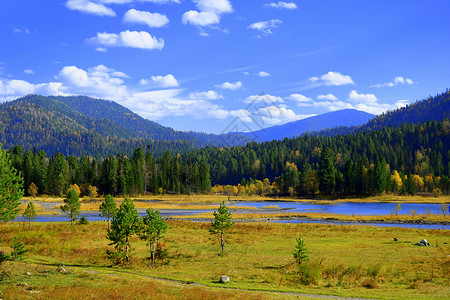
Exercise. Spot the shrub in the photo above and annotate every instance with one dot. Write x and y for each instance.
(83, 221)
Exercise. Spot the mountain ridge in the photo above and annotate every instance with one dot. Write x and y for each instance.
(344, 117)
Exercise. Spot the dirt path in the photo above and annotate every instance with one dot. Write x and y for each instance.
(117, 273)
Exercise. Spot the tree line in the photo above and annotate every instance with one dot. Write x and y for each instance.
(116, 174)
(408, 159)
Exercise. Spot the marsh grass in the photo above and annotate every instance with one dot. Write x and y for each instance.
(344, 260)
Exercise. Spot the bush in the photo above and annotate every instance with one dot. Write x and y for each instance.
(83, 221)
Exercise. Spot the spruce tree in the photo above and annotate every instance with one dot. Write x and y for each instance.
(222, 222)
(10, 188)
(124, 224)
(29, 214)
(108, 208)
(326, 172)
(72, 205)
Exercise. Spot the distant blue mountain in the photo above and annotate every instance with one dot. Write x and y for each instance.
(345, 117)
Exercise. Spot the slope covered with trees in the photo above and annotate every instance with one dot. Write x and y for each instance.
(79, 125)
(408, 159)
(434, 108)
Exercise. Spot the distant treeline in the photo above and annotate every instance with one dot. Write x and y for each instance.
(351, 164)
(363, 163)
(116, 175)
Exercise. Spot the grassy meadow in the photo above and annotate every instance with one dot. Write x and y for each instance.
(347, 261)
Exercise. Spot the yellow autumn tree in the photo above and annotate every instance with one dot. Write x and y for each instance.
(396, 182)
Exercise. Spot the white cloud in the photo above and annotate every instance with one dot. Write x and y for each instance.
(230, 86)
(131, 1)
(298, 98)
(164, 81)
(28, 71)
(146, 18)
(209, 95)
(18, 30)
(133, 39)
(170, 103)
(265, 26)
(90, 7)
(327, 97)
(99, 82)
(209, 13)
(274, 115)
(215, 6)
(12, 89)
(266, 99)
(397, 80)
(362, 98)
(282, 5)
(203, 18)
(332, 78)
(101, 49)
(263, 74)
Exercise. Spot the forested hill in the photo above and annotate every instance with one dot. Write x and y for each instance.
(431, 109)
(79, 125)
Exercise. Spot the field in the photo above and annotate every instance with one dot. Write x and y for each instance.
(346, 261)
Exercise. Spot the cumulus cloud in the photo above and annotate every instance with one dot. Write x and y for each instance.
(263, 74)
(203, 18)
(397, 80)
(230, 86)
(266, 99)
(274, 115)
(161, 81)
(327, 97)
(134, 1)
(133, 39)
(90, 7)
(28, 71)
(99, 82)
(171, 103)
(332, 78)
(209, 12)
(12, 89)
(362, 98)
(282, 5)
(145, 18)
(209, 95)
(265, 26)
(298, 98)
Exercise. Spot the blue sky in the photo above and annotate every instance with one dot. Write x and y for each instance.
(200, 64)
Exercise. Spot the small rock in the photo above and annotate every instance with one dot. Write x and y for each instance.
(22, 284)
(224, 279)
(424, 241)
(396, 239)
(28, 273)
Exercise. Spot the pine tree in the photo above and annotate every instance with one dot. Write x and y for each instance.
(29, 214)
(153, 229)
(108, 208)
(326, 172)
(10, 188)
(300, 253)
(124, 224)
(222, 222)
(72, 205)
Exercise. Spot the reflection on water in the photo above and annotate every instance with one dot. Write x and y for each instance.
(350, 208)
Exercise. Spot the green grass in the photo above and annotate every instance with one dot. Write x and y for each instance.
(344, 260)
